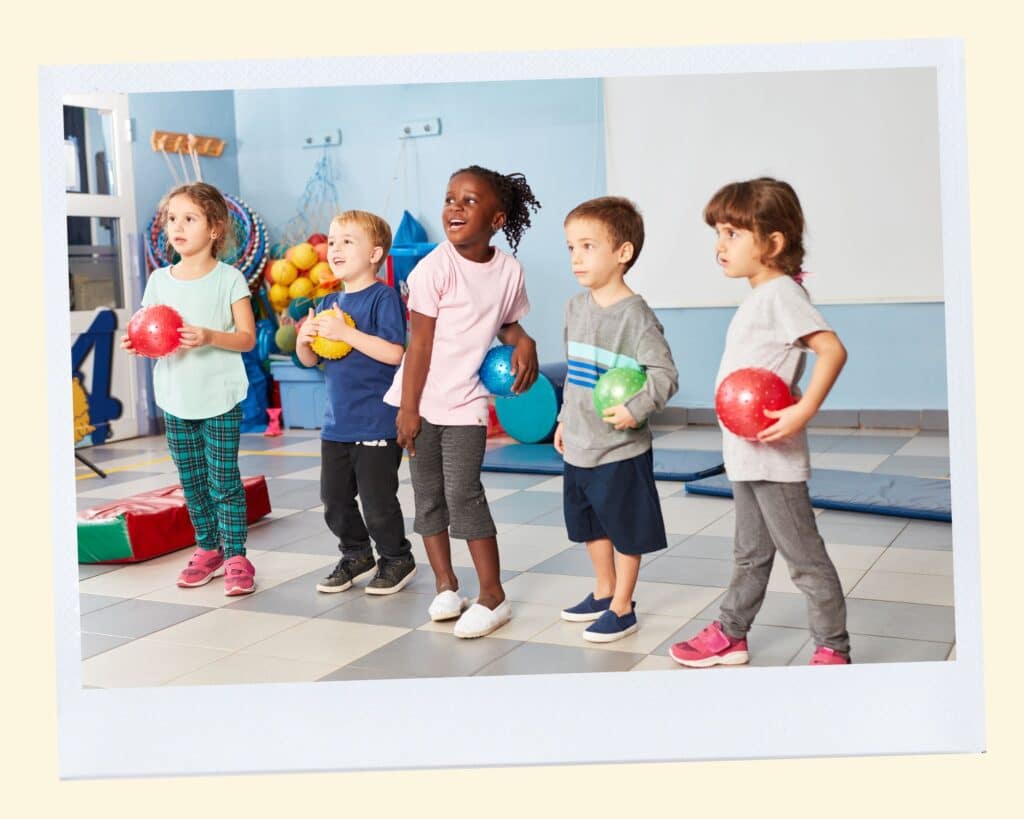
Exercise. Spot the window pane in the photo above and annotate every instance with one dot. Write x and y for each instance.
(94, 263)
(89, 151)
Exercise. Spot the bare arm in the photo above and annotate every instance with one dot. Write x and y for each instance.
(414, 377)
(524, 357)
(830, 357)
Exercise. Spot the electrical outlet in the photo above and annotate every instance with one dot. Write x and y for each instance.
(420, 128)
(323, 139)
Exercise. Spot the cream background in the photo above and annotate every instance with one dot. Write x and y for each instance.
(128, 32)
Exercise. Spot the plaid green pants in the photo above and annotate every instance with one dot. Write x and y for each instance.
(205, 451)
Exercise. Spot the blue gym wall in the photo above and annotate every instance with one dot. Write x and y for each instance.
(553, 131)
(208, 113)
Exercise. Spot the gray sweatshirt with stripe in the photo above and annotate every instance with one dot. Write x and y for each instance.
(597, 339)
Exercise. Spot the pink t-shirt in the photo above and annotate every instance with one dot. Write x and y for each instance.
(471, 301)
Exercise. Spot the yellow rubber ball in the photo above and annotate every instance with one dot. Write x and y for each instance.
(304, 256)
(319, 272)
(279, 297)
(326, 348)
(300, 287)
(283, 272)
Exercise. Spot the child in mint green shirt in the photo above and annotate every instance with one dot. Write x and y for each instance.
(200, 385)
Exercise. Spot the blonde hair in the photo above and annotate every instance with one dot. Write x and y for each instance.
(376, 228)
(214, 207)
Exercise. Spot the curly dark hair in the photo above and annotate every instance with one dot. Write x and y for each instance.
(515, 197)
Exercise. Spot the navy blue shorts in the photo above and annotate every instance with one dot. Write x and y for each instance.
(618, 501)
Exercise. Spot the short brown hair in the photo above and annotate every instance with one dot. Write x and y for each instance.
(214, 207)
(376, 228)
(763, 206)
(620, 217)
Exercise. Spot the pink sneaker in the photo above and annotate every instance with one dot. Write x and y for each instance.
(239, 576)
(203, 566)
(711, 647)
(823, 655)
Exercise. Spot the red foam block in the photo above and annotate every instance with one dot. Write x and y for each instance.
(158, 521)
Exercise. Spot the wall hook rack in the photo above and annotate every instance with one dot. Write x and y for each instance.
(176, 143)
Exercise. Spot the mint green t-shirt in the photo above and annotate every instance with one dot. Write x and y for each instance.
(205, 381)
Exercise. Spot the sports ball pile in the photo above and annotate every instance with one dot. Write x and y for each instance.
(302, 273)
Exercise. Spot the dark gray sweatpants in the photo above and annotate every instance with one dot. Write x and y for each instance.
(770, 516)
(446, 482)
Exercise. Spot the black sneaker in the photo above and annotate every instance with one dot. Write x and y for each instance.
(347, 572)
(393, 574)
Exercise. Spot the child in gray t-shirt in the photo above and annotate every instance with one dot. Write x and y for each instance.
(610, 499)
(759, 226)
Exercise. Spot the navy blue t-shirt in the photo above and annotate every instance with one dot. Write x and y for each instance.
(356, 383)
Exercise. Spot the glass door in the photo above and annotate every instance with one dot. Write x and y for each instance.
(103, 262)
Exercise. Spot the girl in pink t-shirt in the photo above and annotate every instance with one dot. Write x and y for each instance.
(462, 295)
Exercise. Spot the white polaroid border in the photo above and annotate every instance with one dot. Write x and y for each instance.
(901, 708)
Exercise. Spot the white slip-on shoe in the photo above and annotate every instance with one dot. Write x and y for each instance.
(447, 605)
(479, 621)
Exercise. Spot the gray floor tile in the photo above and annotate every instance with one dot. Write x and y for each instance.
(556, 517)
(81, 504)
(88, 603)
(693, 571)
(348, 672)
(870, 533)
(137, 618)
(926, 534)
(525, 508)
(403, 609)
(543, 658)
(871, 649)
(277, 532)
(511, 480)
(323, 543)
(706, 546)
(298, 597)
(104, 453)
(276, 465)
(918, 466)
(767, 645)
(435, 654)
(87, 570)
(262, 442)
(93, 644)
(571, 561)
(909, 621)
(870, 444)
(114, 478)
(823, 442)
(293, 494)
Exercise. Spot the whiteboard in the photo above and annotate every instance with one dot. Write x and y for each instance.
(860, 147)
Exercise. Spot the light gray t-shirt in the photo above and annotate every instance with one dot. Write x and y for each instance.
(597, 339)
(765, 332)
(205, 381)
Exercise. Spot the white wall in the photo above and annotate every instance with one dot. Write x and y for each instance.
(860, 148)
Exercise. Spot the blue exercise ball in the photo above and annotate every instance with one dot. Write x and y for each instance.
(496, 371)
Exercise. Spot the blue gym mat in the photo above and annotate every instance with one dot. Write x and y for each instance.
(541, 459)
(898, 495)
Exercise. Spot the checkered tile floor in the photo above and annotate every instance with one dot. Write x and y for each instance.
(139, 629)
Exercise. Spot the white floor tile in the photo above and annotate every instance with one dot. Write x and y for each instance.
(228, 630)
(916, 561)
(927, 446)
(243, 669)
(929, 589)
(145, 663)
(656, 662)
(846, 556)
(556, 590)
(673, 599)
(326, 641)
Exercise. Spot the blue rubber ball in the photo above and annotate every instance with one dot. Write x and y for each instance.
(496, 371)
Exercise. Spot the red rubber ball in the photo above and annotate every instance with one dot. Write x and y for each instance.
(744, 395)
(153, 331)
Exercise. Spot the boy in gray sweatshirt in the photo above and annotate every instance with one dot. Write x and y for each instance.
(610, 499)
